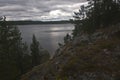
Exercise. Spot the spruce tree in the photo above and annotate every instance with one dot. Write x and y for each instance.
(35, 52)
(11, 52)
(67, 38)
(27, 59)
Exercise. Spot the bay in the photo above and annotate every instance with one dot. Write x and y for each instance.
(49, 35)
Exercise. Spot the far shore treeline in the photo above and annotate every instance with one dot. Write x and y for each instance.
(36, 22)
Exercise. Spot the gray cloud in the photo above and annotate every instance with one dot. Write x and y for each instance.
(39, 9)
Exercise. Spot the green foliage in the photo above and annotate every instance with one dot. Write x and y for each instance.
(45, 56)
(15, 58)
(67, 38)
(61, 78)
(12, 53)
(97, 14)
(35, 51)
(38, 54)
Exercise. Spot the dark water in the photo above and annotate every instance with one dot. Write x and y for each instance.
(48, 35)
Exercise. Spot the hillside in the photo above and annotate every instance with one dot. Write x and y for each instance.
(94, 51)
(86, 57)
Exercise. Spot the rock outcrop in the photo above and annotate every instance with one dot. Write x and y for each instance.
(87, 57)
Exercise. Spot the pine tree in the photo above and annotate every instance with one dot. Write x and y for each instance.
(79, 20)
(99, 13)
(104, 12)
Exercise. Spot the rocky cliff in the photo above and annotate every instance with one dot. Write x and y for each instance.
(86, 57)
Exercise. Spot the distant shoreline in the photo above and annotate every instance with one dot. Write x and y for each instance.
(35, 22)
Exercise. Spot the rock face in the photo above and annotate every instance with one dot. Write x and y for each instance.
(94, 57)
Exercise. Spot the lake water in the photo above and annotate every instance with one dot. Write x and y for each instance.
(49, 35)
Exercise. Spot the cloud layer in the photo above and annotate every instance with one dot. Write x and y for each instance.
(39, 9)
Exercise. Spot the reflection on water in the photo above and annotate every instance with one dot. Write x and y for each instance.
(48, 35)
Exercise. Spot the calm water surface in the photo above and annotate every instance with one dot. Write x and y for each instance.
(49, 35)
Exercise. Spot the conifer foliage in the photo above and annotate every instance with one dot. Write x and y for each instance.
(15, 57)
(35, 52)
(12, 52)
(97, 14)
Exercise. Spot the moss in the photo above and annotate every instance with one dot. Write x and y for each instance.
(108, 44)
(61, 78)
(91, 58)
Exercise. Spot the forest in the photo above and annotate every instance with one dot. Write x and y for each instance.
(16, 60)
(97, 14)
(16, 57)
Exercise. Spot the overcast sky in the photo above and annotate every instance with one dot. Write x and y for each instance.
(39, 9)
